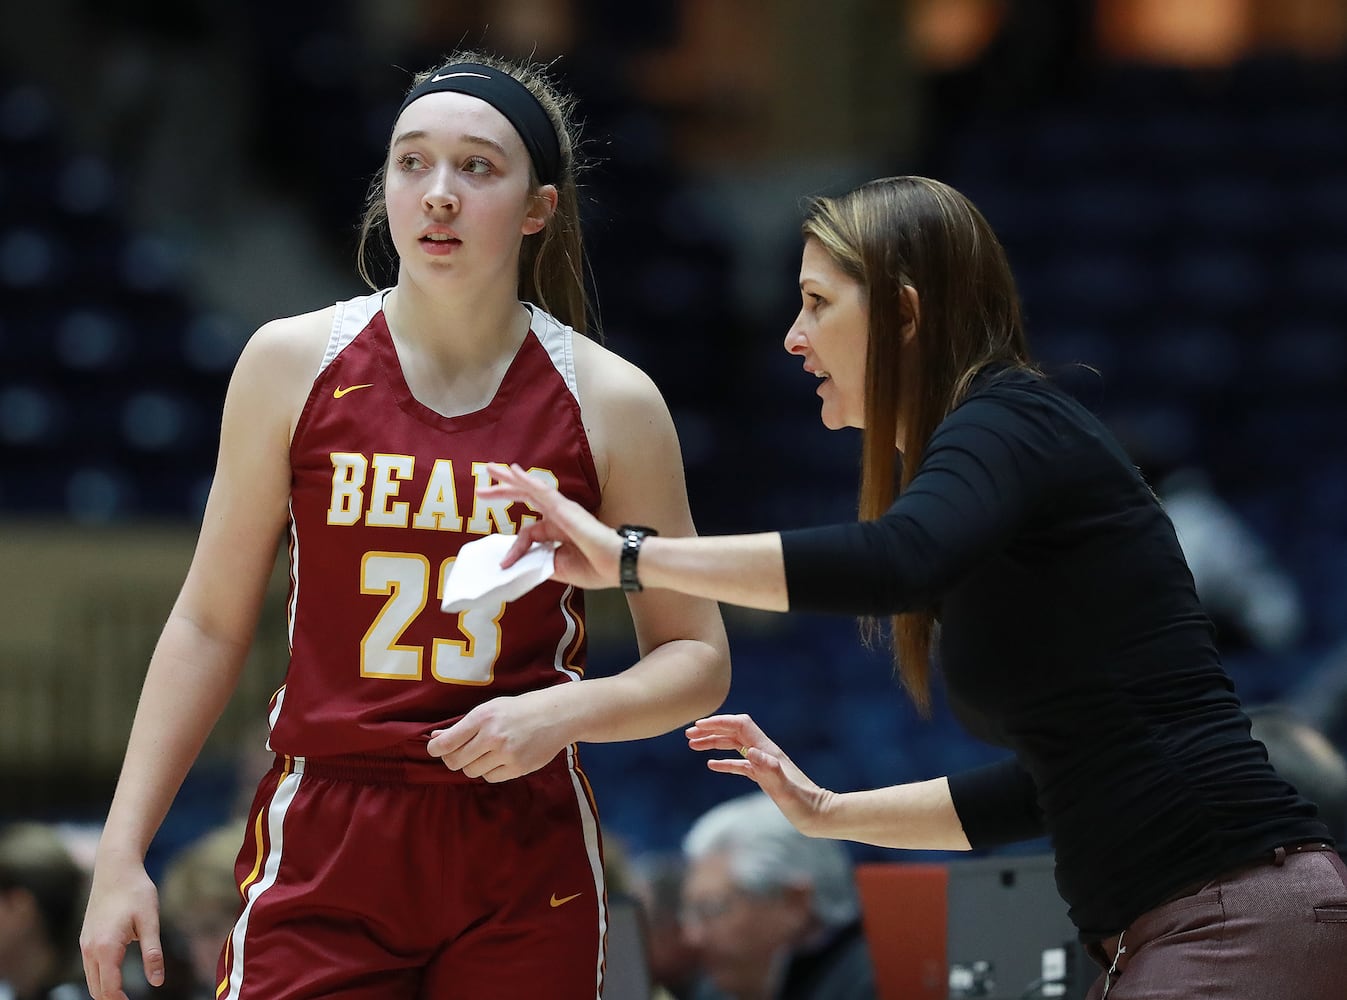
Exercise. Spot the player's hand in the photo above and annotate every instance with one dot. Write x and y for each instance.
(589, 550)
(123, 907)
(501, 739)
(799, 799)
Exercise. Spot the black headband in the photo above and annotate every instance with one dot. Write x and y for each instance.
(508, 96)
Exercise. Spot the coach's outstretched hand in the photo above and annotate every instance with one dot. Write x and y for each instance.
(589, 550)
(795, 794)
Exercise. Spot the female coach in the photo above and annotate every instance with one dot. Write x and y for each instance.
(1068, 627)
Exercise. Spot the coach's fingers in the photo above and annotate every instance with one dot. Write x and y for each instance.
(522, 543)
(728, 732)
(514, 483)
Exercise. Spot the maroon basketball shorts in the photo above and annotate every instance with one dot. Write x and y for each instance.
(363, 879)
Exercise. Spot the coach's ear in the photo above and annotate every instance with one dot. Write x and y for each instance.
(542, 205)
(910, 307)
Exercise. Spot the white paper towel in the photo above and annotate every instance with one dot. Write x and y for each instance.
(477, 581)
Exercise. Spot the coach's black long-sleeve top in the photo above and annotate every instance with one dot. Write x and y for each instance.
(1070, 632)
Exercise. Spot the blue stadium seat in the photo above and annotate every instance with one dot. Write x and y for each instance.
(1194, 356)
(1215, 281)
(1094, 281)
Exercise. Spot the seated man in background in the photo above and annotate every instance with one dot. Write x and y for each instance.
(41, 896)
(774, 914)
(657, 881)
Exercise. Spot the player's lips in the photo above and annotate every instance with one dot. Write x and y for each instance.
(439, 240)
(438, 230)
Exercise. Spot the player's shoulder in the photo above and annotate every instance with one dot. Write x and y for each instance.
(606, 376)
(290, 344)
(298, 332)
(631, 430)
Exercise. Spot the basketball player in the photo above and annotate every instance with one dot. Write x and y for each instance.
(426, 830)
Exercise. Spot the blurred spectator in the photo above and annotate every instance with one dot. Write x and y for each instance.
(657, 881)
(628, 975)
(253, 758)
(1250, 598)
(199, 900)
(773, 913)
(1303, 755)
(41, 893)
(617, 871)
(1321, 697)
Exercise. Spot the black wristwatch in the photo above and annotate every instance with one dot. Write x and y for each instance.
(632, 537)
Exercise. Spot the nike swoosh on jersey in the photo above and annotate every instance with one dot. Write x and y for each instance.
(564, 899)
(338, 392)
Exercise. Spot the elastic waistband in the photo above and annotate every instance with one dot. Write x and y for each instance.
(374, 769)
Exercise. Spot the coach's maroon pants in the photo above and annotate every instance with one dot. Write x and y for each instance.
(1274, 930)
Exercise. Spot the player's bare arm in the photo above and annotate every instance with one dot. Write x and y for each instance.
(204, 643)
(685, 659)
(684, 667)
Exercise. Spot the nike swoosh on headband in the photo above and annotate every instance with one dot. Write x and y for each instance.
(450, 76)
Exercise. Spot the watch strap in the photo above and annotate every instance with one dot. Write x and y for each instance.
(632, 537)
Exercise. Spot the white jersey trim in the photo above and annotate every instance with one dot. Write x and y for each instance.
(590, 822)
(351, 316)
(558, 340)
(572, 626)
(268, 868)
(292, 606)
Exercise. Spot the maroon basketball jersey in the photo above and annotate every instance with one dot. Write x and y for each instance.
(383, 496)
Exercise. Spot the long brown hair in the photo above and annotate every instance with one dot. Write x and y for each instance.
(552, 262)
(890, 234)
